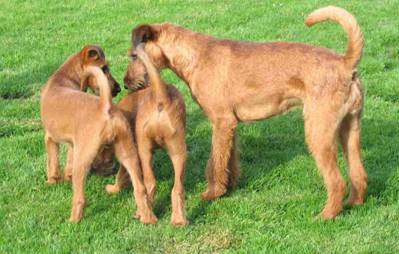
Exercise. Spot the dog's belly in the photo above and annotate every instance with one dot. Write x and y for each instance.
(253, 111)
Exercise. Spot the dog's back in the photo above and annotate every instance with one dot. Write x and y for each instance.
(144, 116)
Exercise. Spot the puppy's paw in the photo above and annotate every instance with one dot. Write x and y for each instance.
(112, 188)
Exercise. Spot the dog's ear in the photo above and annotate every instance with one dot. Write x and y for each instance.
(144, 33)
(92, 52)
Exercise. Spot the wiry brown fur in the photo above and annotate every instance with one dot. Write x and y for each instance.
(85, 123)
(157, 117)
(242, 82)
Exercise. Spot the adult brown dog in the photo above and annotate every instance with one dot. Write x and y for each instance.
(242, 82)
(85, 123)
(157, 117)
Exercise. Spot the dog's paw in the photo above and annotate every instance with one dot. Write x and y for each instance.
(326, 215)
(355, 200)
(54, 179)
(68, 178)
(176, 221)
(212, 195)
(146, 218)
(112, 188)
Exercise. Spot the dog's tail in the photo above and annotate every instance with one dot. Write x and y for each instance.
(157, 85)
(350, 25)
(102, 83)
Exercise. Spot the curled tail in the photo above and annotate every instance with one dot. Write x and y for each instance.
(102, 83)
(351, 27)
(157, 85)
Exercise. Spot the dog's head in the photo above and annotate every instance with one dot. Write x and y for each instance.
(104, 163)
(136, 75)
(94, 56)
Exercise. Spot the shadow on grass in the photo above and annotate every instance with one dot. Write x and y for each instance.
(266, 145)
(25, 83)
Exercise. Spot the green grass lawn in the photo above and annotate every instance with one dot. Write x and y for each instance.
(280, 191)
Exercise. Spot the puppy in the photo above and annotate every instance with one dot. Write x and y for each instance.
(85, 123)
(236, 81)
(158, 118)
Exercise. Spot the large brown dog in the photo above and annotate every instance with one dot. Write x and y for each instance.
(85, 123)
(242, 82)
(157, 116)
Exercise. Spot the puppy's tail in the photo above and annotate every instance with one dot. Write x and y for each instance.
(102, 83)
(350, 25)
(157, 85)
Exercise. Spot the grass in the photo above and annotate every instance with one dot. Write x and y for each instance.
(280, 191)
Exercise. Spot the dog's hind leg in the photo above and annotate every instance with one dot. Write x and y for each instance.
(233, 167)
(321, 133)
(350, 140)
(84, 155)
(178, 154)
(145, 154)
(53, 165)
(126, 152)
(69, 165)
(217, 171)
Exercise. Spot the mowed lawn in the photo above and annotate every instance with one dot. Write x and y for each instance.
(280, 191)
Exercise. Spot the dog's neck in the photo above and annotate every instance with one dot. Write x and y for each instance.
(69, 74)
(182, 50)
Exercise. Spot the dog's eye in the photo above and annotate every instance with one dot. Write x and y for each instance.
(133, 57)
(105, 69)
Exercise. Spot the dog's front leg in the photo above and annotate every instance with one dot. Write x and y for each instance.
(217, 172)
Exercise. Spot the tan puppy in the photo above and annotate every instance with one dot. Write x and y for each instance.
(85, 123)
(242, 82)
(158, 118)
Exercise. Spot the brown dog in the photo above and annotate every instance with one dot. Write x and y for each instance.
(85, 123)
(242, 82)
(158, 118)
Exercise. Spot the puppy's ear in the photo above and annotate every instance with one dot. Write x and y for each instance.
(144, 33)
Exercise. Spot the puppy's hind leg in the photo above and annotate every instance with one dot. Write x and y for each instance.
(350, 140)
(53, 166)
(177, 152)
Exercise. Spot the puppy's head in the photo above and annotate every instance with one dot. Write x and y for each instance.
(136, 75)
(94, 56)
(104, 163)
